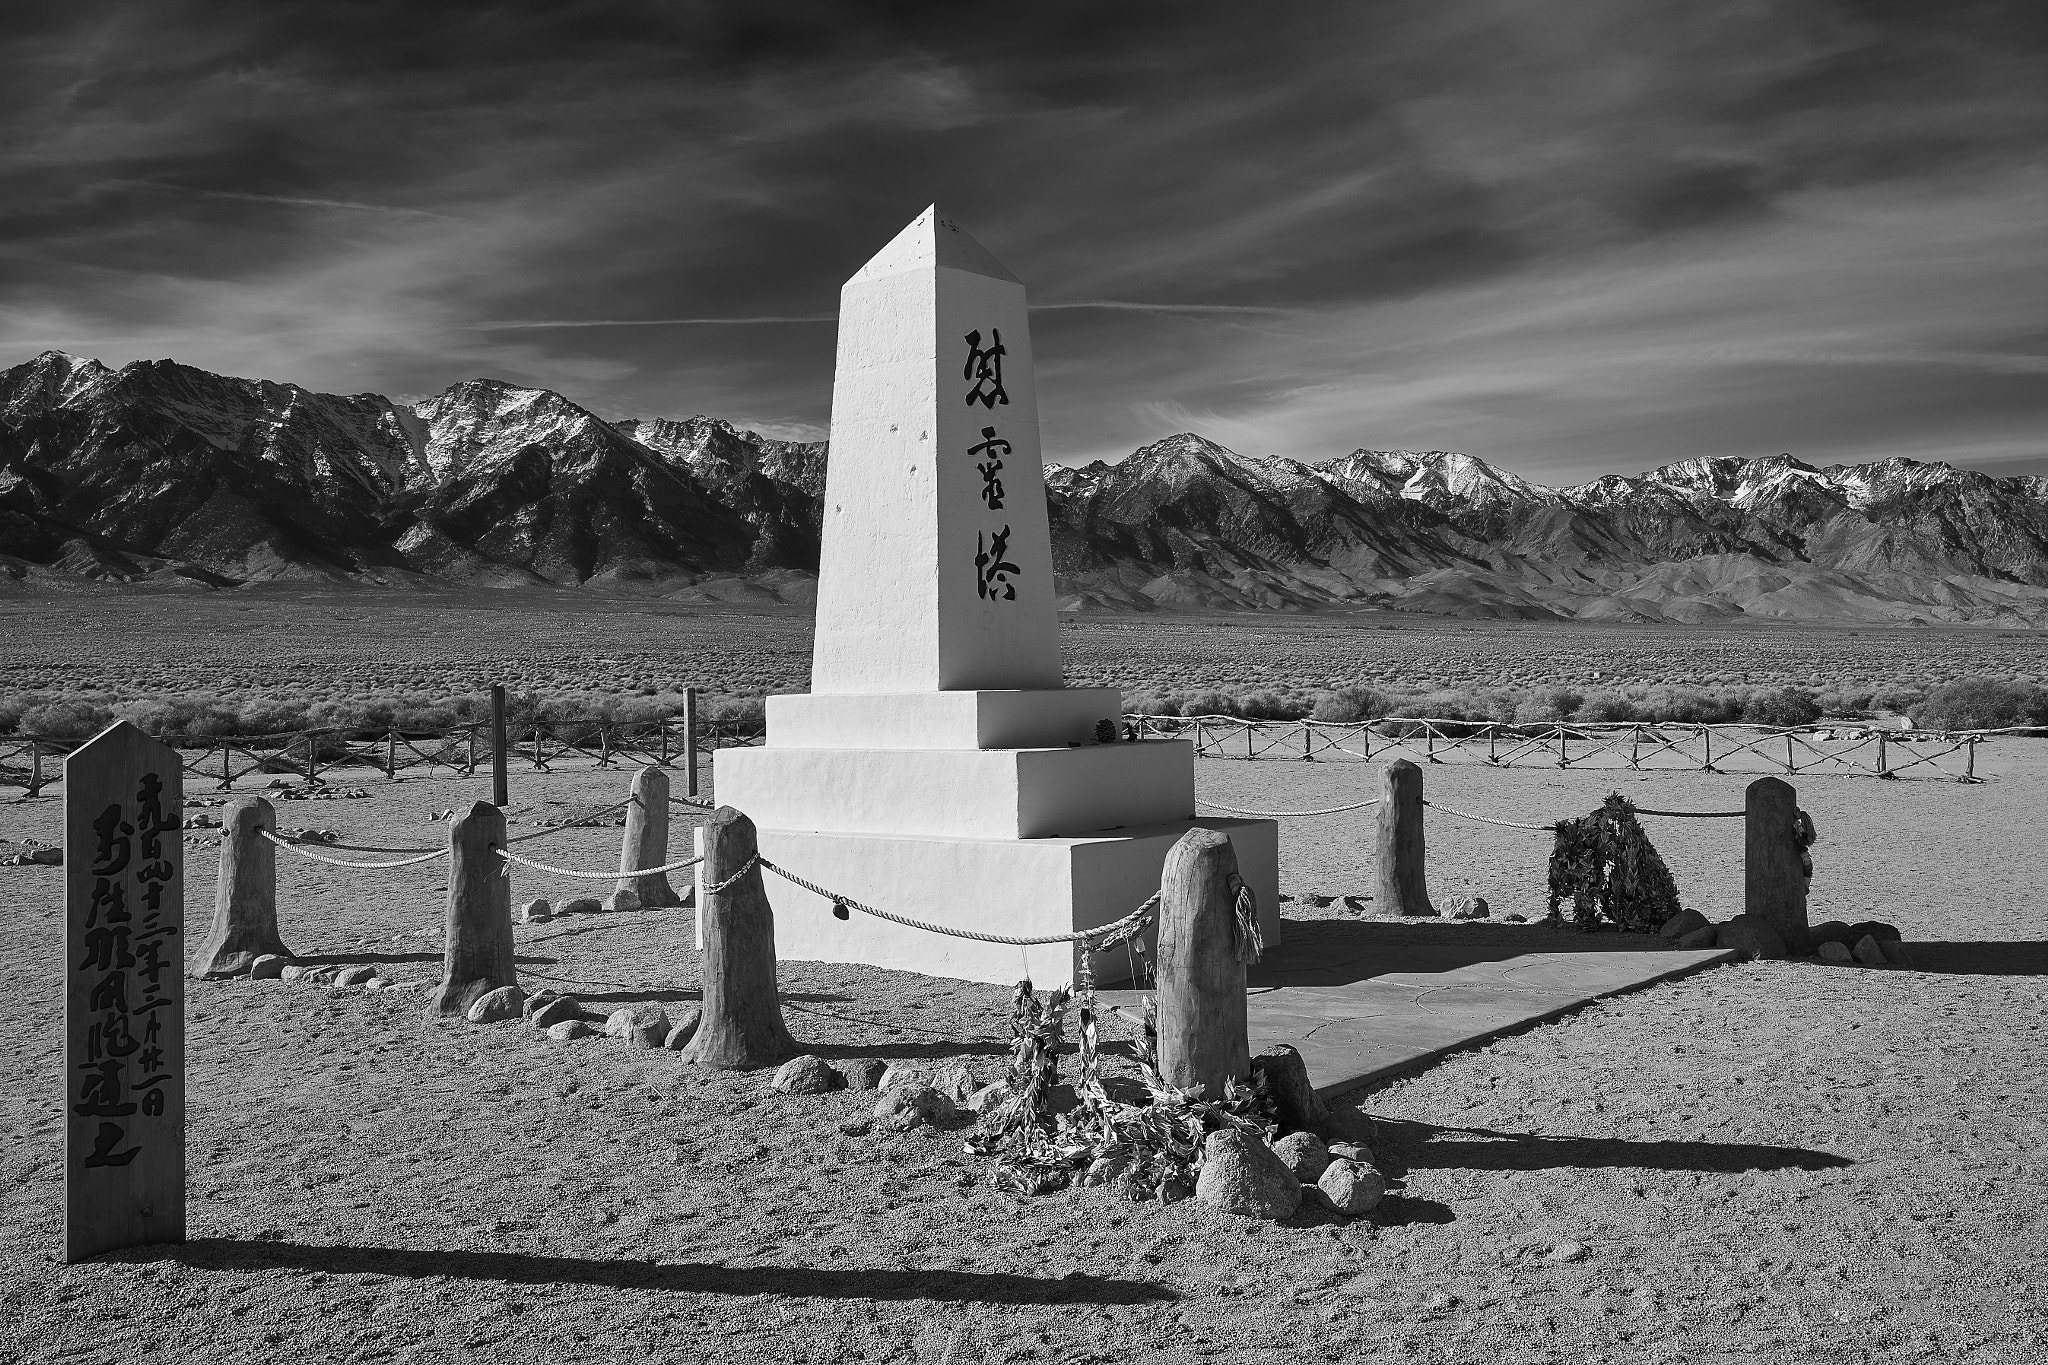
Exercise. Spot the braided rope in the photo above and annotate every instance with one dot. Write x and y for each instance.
(1488, 819)
(305, 852)
(512, 857)
(748, 866)
(1284, 814)
(1693, 814)
(364, 848)
(1104, 931)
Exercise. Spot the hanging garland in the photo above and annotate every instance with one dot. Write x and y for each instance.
(1606, 866)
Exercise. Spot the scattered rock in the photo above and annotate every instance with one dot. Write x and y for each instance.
(685, 1028)
(1356, 904)
(536, 1000)
(1751, 938)
(202, 821)
(1869, 953)
(1350, 1188)
(1356, 1152)
(1242, 1175)
(1895, 952)
(643, 1024)
(896, 1075)
(856, 1127)
(582, 905)
(988, 1097)
(561, 1009)
(1475, 907)
(625, 898)
(865, 1073)
(377, 983)
(268, 967)
(292, 972)
(571, 1029)
(536, 912)
(1874, 928)
(42, 857)
(1515, 919)
(356, 975)
(806, 1075)
(955, 1082)
(279, 783)
(1681, 924)
(1319, 900)
(503, 1003)
(1833, 931)
(318, 976)
(906, 1106)
(1699, 938)
(1304, 1154)
(1834, 950)
(1295, 1102)
(1566, 1251)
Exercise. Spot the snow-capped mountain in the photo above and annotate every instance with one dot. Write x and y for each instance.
(161, 472)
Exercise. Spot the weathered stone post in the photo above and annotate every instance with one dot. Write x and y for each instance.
(1774, 866)
(741, 1028)
(479, 953)
(1398, 864)
(245, 894)
(646, 843)
(1203, 1032)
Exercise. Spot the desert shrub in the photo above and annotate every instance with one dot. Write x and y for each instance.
(1609, 706)
(1273, 706)
(1547, 704)
(195, 716)
(734, 713)
(1606, 866)
(1691, 706)
(1786, 706)
(1847, 702)
(1208, 703)
(1982, 704)
(67, 719)
(1352, 704)
(1900, 700)
(1151, 704)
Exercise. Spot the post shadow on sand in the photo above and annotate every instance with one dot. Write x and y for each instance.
(691, 1277)
(1404, 1145)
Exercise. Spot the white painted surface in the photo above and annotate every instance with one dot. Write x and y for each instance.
(960, 793)
(940, 720)
(905, 513)
(1016, 888)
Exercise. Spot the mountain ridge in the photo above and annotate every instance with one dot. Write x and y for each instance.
(160, 473)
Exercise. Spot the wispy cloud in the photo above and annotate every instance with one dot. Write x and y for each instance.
(287, 200)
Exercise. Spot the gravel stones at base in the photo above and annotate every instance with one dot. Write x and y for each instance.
(1350, 1188)
(955, 1082)
(1304, 1154)
(865, 1073)
(268, 967)
(536, 912)
(684, 1029)
(491, 1006)
(1834, 950)
(1242, 1175)
(988, 1097)
(1749, 938)
(1352, 1151)
(537, 999)
(806, 1075)
(1869, 953)
(1681, 924)
(906, 1106)
(1295, 1102)
(571, 1029)
(897, 1075)
(644, 1024)
(621, 900)
(1699, 938)
(358, 975)
(1831, 931)
(560, 1010)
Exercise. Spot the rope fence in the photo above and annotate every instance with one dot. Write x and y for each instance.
(611, 875)
(305, 852)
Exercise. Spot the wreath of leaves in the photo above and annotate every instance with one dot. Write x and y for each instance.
(1606, 866)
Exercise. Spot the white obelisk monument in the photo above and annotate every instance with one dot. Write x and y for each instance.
(938, 768)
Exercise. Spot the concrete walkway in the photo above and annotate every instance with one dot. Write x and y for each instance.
(1364, 1000)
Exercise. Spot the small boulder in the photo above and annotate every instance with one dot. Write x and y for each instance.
(45, 857)
(1895, 952)
(906, 1106)
(560, 1010)
(292, 972)
(356, 975)
(988, 1097)
(536, 912)
(685, 1028)
(1874, 928)
(378, 983)
(491, 1006)
(897, 1075)
(1304, 1154)
(1242, 1175)
(955, 1082)
(582, 905)
(1475, 908)
(1834, 950)
(1566, 1251)
(536, 1000)
(865, 1073)
(1356, 1152)
(1350, 1188)
(643, 1024)
(625, 898)
(1681, 924)
(1869, 953)
(319, 976)
(1295, 1102)
(268, 967)
(806, 1075)
(1751, 938)
(571, 1029)
(1699, 938)
(1832, 931)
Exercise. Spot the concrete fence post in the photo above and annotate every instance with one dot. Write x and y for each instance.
(1775, 865)
(1400, 885)
(478, 958)
(645, 845)
(245, 894)
(1204, 1036)
(742, 1028)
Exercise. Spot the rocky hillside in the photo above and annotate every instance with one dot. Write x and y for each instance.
(160, 473)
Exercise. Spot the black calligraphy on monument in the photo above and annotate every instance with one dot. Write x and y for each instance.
(993, 571)
(984, 369)
(992, 449)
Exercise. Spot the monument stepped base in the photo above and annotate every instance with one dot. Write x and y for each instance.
(1020, 888)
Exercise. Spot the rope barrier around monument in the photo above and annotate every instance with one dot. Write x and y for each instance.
(1692, 814)
(612, 876)
(1284, 814)
(305, 852)
(1488, 819)
(572, 824)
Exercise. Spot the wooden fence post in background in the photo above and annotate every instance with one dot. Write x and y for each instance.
(690, 738)
(1398, 865)
(646, 843)
(1774, 873)
(391, 755)
(35, 767)
(742, 1026)
(1882, 757)
(245, 894)
(479, 925)
(501, 795)
(1203, 1032)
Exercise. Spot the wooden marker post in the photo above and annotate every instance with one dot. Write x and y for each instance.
(742, 1027)
(1774, 876)
(479, 953)
(1203, 1031)
(646, 840)
(245, 895)
(501, 748)
(690, 739)
(1398, 862)
(124, 995)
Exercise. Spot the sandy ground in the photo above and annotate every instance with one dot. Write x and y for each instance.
(1778, 1161)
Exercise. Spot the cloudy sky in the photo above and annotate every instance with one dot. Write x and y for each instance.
(1574, 237)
